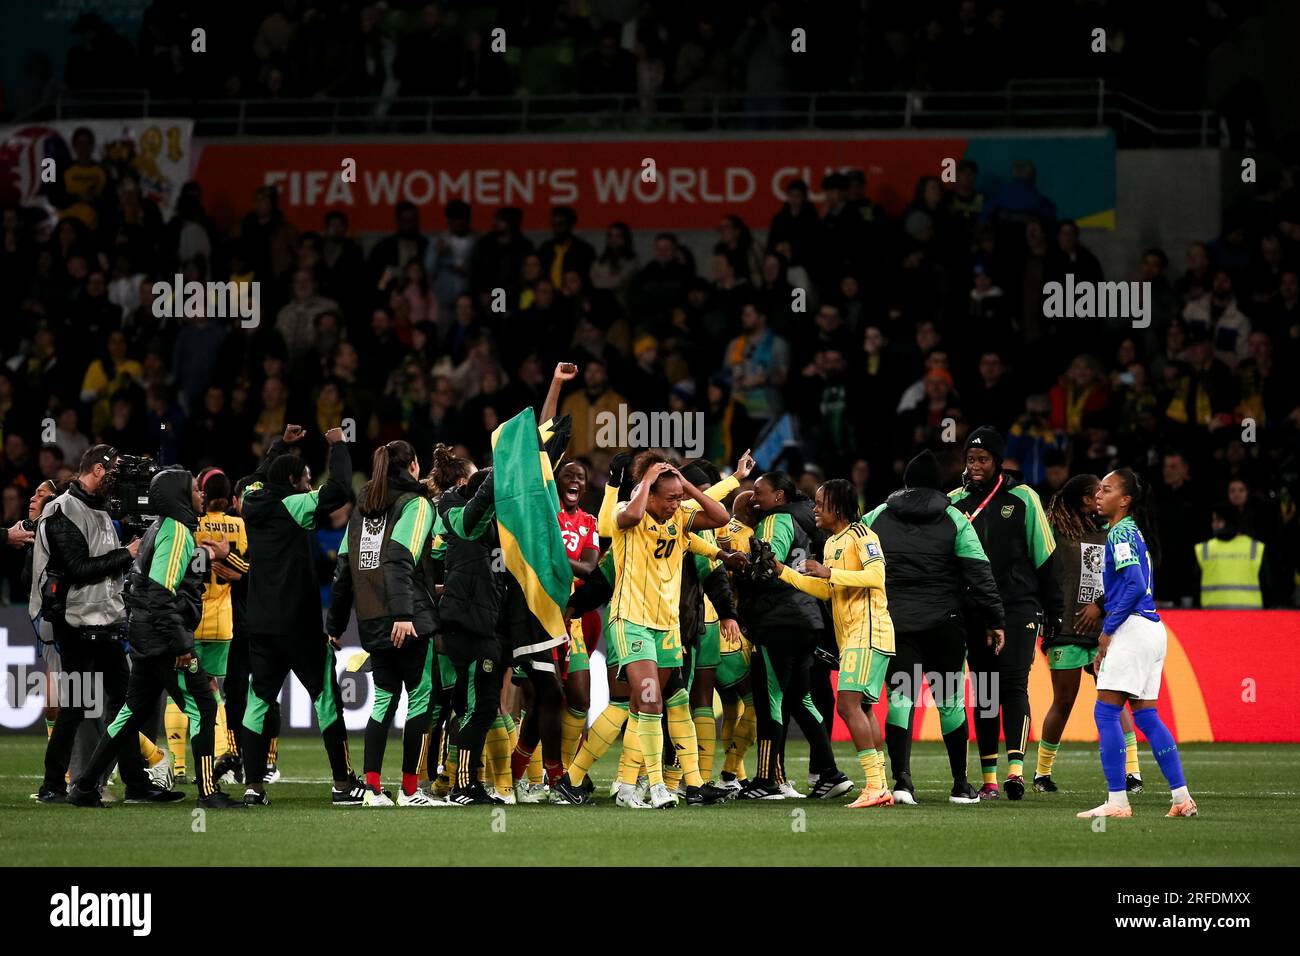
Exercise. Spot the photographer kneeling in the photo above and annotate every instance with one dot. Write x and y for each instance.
(78, 569)
(165, 599)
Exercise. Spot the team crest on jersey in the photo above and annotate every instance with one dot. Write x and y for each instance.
(671, 529)
(372, 542)
(636, 647)
(489, 666)
(838, 553)
(1008, 510)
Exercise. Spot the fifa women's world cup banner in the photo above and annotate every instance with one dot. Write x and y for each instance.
(661, 183)
(35, 159)
(1229, 676)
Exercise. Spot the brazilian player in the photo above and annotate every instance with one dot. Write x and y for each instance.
(644, 613)
(853, 580)
(1131, 649)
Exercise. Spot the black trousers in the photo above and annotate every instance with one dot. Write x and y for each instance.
(88, 666)
(235, 691)
(779, 670)
(935, 656)
(192, 693)
(412, 666)
(311, 659)
(1002, 683)
(480, 663)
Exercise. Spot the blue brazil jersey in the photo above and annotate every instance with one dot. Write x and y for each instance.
(1126, 577)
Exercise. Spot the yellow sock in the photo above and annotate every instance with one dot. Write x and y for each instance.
(221, 738)
(706, 734)
(452, 763)
(1046, 757)
(730, 714)
(989, 768)
(743, 739)
(631, 762)
(1131, 753)
(572, 723)
(601, 736)
(681, 730)
(177, 725)
(535, 766)
(650, 729)
(49, 728)
(272, 751)
(873, 771)
(512, 728)
(497, 750)
(150, 751)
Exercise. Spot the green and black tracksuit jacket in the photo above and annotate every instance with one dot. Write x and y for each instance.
(380, 571)
(1017, 539)
(472, 588)
(936, 562)
(774, 605)
(164, 596)
(283, 593)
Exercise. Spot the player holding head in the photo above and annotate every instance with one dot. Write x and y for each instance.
(644, 612)
(1131, 649)
(853, 580)
(1071, 648)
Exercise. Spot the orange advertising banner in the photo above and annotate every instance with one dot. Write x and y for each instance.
(649, 184)
(1229, 676)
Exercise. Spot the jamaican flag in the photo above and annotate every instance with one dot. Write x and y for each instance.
(526, 507)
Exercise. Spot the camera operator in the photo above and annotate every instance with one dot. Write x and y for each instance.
(165, 598)
(78, 570)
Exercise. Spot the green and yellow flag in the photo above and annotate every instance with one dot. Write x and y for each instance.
(527, 506)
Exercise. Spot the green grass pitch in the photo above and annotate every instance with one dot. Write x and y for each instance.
(1250, 816)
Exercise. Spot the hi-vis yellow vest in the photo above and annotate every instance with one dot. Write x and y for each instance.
(1230, 573)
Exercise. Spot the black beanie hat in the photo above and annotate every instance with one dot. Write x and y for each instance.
(987, 437)
(922, 471)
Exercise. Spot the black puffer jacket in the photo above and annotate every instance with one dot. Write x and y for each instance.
(935, 561)
(395, 589)
(283, 592)
(769, 605)
(70, 557)
(164, 596)
(472, 590)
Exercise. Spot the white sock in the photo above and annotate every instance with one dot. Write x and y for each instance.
(1180, 795)
(1119, 798)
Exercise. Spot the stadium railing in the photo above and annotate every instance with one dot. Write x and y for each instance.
(1081, 103)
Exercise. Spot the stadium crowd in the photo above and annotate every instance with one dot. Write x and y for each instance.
(916, 329)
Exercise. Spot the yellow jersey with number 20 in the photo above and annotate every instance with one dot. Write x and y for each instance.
(648, 570)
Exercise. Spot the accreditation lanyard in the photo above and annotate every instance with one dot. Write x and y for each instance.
(976, 513)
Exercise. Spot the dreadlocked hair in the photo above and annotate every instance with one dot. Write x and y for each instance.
(447, 469)
(1064, 514)
(840, 497)
(1142, 510)
(388, 460)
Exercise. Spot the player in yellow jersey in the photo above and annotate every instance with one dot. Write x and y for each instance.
(649, 545)
(853, 580)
